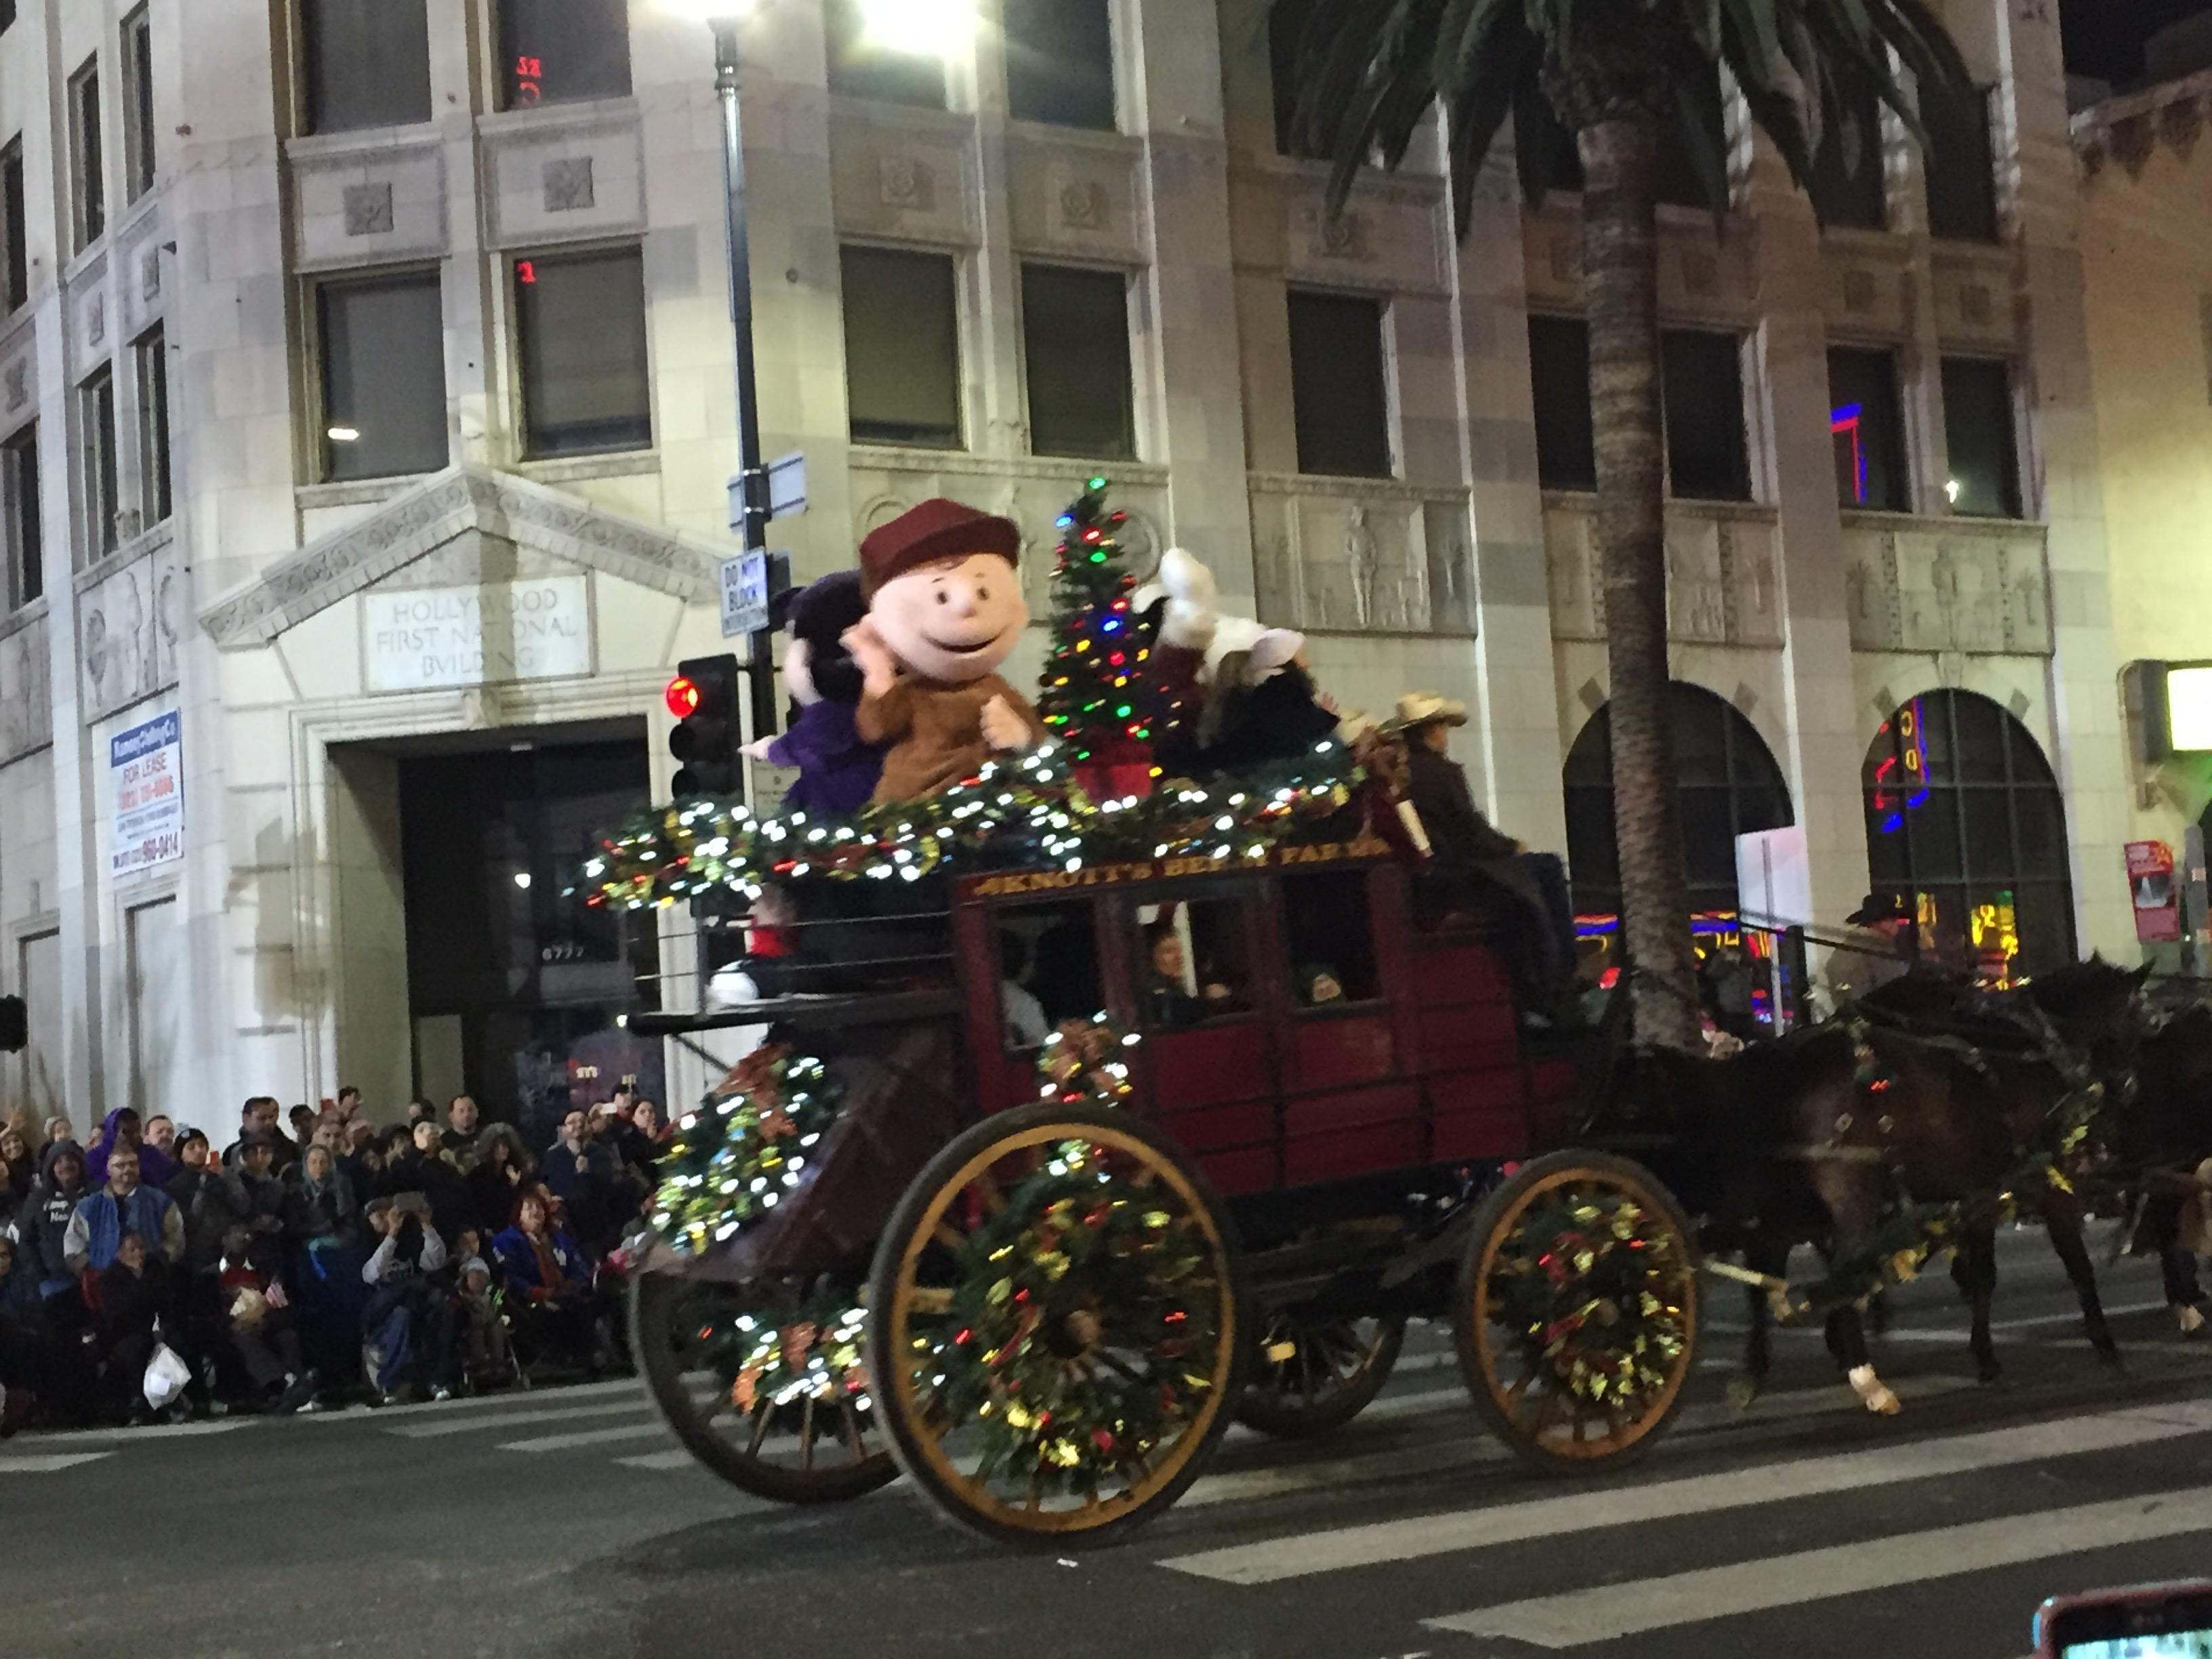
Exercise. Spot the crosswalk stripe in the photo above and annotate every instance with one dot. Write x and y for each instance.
(678, 1459)
(626, 1388)
(1408, 1540)
(1613, 1611)
(161, 1431)
(588, 1437)
(48, 1462)
(491, 1422)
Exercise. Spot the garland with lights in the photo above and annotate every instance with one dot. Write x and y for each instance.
(1081, 1063)
(1023, 813)
(734, 1159)
(1071, 1250)
(1092, 698)
(815, 1351)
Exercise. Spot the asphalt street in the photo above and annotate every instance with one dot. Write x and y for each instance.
(565, 1522)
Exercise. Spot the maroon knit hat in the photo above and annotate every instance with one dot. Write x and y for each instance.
(937, 529)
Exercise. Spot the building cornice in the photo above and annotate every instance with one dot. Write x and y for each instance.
(2130, 128)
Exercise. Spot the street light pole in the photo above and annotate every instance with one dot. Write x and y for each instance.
(752, 478)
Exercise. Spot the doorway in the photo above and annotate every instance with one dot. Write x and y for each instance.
(514, 989)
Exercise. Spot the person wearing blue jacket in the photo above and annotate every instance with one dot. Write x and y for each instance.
(546, 1270)
(119, 1209)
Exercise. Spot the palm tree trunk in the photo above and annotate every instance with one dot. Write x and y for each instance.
(1621, 268)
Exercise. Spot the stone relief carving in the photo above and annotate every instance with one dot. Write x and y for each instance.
(368, 208)
(16, 379)
(1933, 591)
(1083, 204)
(1701, 272)
(27, 719)
(150, 275)
(1723, 585)
(1975, 303)
(1338, 560)
(1860, 293)
(412, 525)
(95, 319)
(568, 184)
(907, 183)
(129, 625)
(1345, 235)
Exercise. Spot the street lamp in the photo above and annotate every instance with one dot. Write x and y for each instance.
(922, 28)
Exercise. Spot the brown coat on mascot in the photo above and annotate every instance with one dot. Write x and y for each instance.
(945, 608)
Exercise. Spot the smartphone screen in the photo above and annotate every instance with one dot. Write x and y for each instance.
(2170, 1621)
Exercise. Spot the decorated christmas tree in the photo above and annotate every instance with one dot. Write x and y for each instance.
(1093, 695)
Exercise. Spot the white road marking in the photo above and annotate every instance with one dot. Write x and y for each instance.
(1613, 1611)
(654, 1430)
(493, 1422)
(48, 1462)
(1425, 1535)
(678, 1459)
(159, 1430)
(627, 1387)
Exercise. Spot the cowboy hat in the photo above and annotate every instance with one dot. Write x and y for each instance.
(1424, 707)
(1878, 909)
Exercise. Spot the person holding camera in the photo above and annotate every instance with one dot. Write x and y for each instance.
(408, 1322)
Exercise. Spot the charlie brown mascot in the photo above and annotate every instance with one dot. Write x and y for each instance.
(945, 608)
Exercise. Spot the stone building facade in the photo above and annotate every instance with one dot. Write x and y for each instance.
(2147, 170)
(245, 511)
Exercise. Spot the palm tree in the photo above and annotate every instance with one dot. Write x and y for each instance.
(1617, 73)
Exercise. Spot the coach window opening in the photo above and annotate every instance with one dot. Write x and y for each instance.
(1047, 966)
(1330, 933)
(1192, 960)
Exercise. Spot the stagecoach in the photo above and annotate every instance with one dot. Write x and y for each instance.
(1044, 1279)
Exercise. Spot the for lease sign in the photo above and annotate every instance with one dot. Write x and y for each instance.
(146, 770)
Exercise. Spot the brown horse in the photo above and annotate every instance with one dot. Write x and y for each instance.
(2165, 1135)
(1923, 1098)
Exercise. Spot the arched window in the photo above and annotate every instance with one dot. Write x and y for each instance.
(1965, 822)
(1727, 783)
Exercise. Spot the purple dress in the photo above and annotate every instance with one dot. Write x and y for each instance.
(837, 772)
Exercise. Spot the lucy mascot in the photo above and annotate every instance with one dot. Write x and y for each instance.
(945, 610)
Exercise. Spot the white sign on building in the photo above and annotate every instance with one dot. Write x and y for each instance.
(146, 768)
(428, 638)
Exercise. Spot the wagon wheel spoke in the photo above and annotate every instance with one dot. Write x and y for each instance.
(762, 1412)
(806, 1433)
(855, 1435)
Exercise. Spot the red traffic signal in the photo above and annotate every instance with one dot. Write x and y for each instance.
(706, 742)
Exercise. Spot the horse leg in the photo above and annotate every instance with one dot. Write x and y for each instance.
(1764, 1255)
(2062, 1219)
(1854, 1206)
(1976, 1274)
(2177, 1266)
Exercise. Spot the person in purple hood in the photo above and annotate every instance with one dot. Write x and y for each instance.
(837, 771)
(122, 1128)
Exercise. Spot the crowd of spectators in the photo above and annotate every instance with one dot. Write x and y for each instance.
(338, 1261)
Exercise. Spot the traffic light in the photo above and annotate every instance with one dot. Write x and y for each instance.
(14, 1025)
(703, 697)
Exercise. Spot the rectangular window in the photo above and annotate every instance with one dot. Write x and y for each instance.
(586, 387)
(150, 359)
(365, 63)
(1681, 180)
(1286, 29)
(562, 51)
(1559, 365)
(1847, 188)
(1195, 962)
(863, 66)
(902, 346)
(1075, 341)
(1059, 63)
(1331, 937)
(89, 185)
(17, 254)
(1866, 422)
(1707, 458)
(1962, 166)
(18, 486)
(383, 377)
(1985, 479)
(138, 105)
(1339, 385)
(96, 406)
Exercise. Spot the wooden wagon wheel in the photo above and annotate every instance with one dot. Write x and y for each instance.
(1576, 1311)
(1057, 1311)
(768, 1387)
(1310, 1375)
